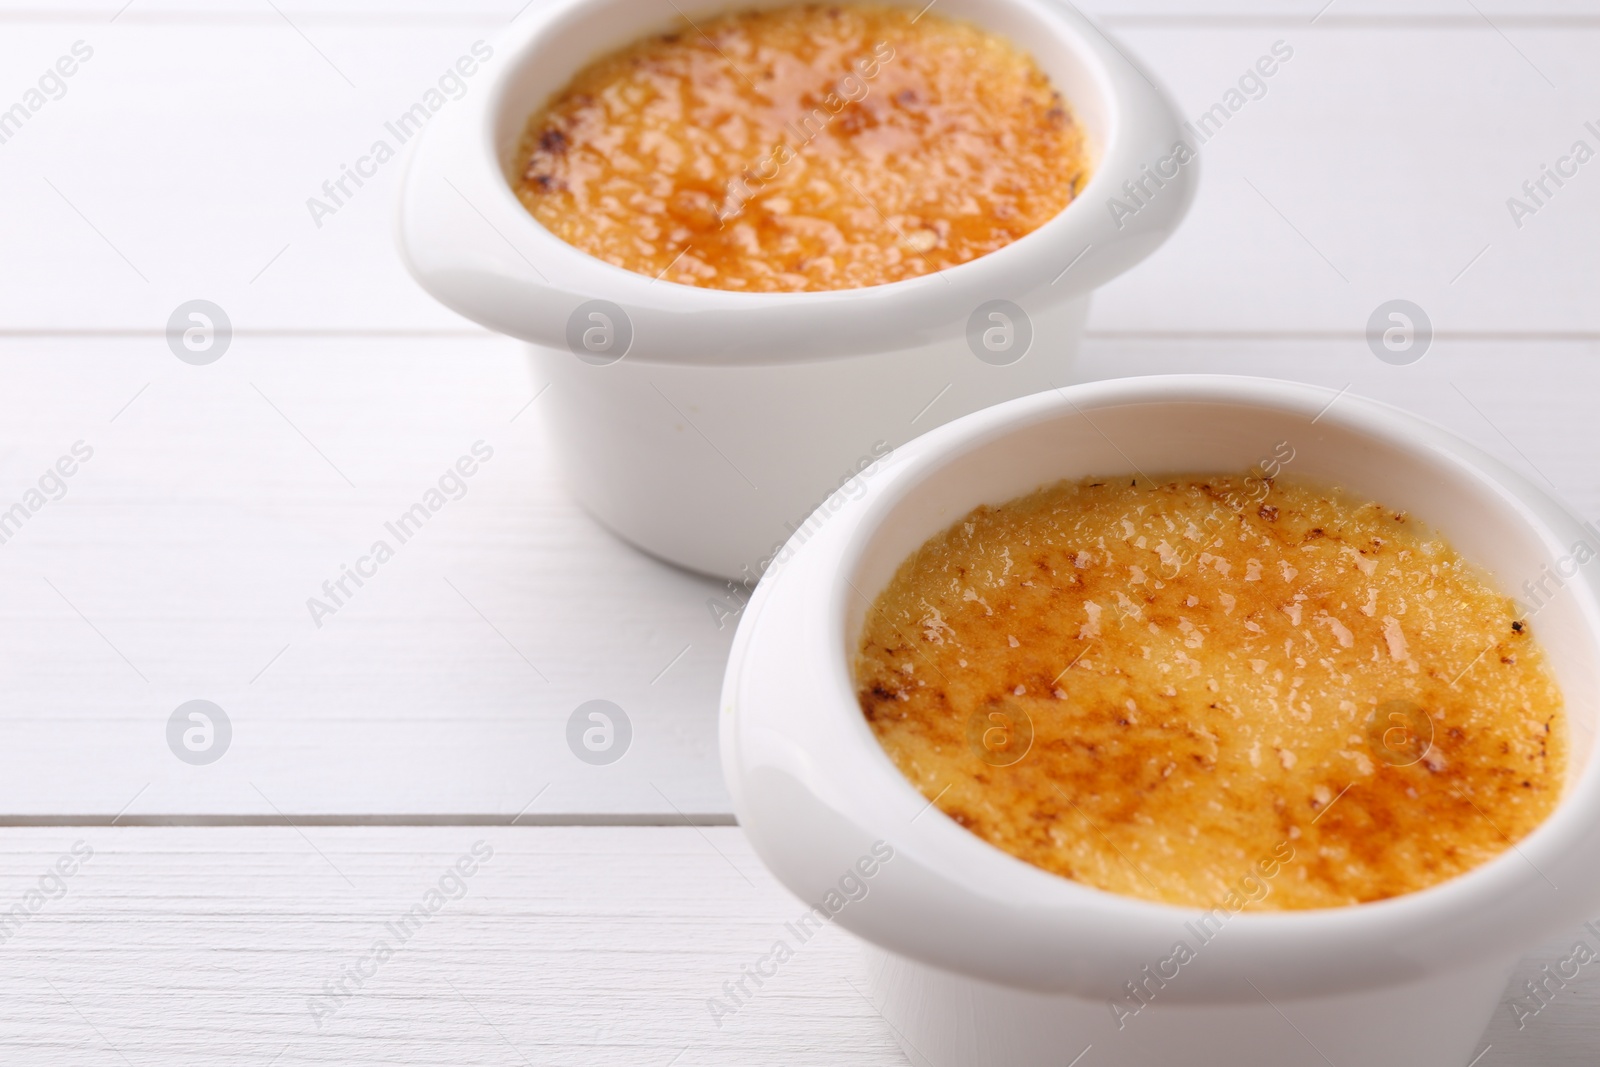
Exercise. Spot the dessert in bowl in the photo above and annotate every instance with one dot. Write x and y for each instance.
(703, 416)
(981, 957)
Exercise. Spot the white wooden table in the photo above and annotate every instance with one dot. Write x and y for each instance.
(225, 902)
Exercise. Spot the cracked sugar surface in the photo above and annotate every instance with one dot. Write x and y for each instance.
(1215, 690)
(807, 147)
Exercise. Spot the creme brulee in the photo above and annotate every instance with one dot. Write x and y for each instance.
(803, 148)
(1215, 691)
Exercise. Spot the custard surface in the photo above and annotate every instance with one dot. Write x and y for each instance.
(803, 148)
(1215, 689)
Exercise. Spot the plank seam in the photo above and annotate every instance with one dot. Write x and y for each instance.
(398, 21)
(415, 820)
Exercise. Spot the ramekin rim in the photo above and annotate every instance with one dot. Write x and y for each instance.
(1364, 415)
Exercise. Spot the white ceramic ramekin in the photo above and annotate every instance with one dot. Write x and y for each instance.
(981, 960)
(705, 425)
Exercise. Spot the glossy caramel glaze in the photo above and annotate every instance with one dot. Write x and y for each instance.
(802, 148)
(1229, 684)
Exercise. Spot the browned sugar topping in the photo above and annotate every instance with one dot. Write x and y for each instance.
(803, 148)
(1215, 690)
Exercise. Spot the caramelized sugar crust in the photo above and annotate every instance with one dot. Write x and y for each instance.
(803, 148)
(1228, 684)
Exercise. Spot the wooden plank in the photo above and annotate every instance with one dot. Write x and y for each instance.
(592, 946)
(180, 562)
(1377, 165)
(178, 164)
(595, 946)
